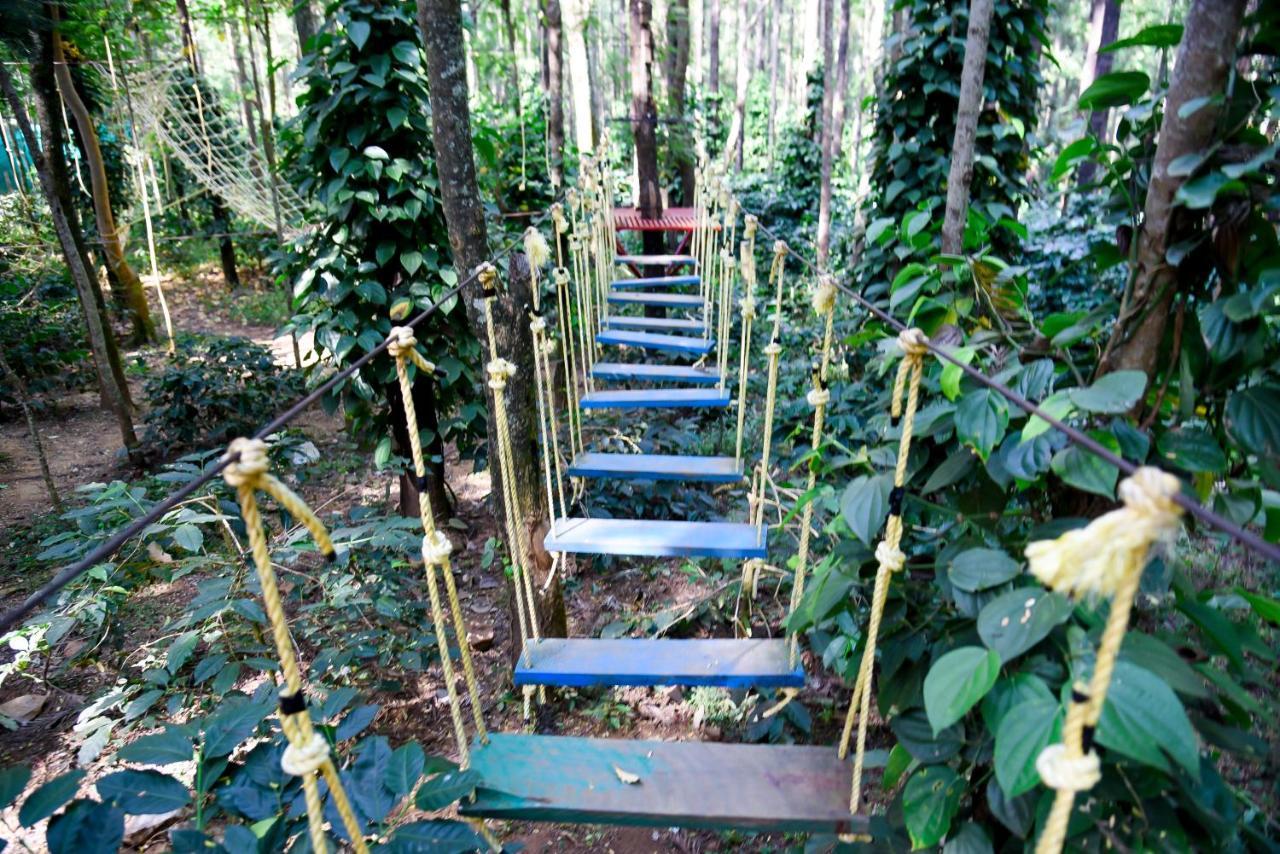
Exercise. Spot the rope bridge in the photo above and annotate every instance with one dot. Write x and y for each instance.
(573, 326)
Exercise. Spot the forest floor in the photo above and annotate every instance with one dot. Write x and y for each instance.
(84, 446)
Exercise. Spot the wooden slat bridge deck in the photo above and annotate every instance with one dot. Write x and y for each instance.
(656, 260)
(768, 788)
(656, 467)
(717, 662)
(672, 219)
(664, 300)
(657, 538)
(641, 372)
(656, 341)
(655, 324)
(657, 398)
(657, 282)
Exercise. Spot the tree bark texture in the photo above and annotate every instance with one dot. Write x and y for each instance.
(677, 69)
(713, 47)
(135, 298)
(839, 107)
(441, 25)
(826, 140)
(1104, 26)
(555, 89)
(737, 126)
(49, 160)
(304, 24)
(960, 174)
(644, 115)
(1204, 59)
(575, 21)
(513, 58)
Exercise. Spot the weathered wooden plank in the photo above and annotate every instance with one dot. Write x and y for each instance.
(655, 324)
(650, 398)
(719, 662)
(657, 538)
(657, 260)
(664, 300)
(656, 341)
(677, 784)
(641, 372)
(657, 467)
(657, 282)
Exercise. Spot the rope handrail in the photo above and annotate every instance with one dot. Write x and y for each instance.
(1080, 439)
(164, 505)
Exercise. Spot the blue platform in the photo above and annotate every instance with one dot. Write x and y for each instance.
(656, 467)
(658, 282)
(657, 538)
(656, 341)
(663, 300)
(656, 398)
(657, 260)
(721, 663)
(641, 372)
(654, 324)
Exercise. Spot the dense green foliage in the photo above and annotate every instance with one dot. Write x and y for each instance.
(364, 158)
(213, 390)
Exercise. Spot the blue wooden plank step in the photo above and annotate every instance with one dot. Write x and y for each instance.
(657, 260)
(656, 341)
(641, 372)
(696, 784)
(658, 282)
(657, 538)
(656, 398)
(721, 663)
(664, 300)
(656, 467)
(654, 324)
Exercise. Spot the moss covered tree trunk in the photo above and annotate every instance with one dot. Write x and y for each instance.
(441, 24)
(960, 175)
(554, 70)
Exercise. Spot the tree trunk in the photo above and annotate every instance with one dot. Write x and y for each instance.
(188, 37)
(840, 106)
(513, 60)
(231, 27)
(135, 297)
(644, 129)
(960, 174)
(1104, 26)
(555, 90)
(24, 403)
(713, 47)
(575, 20)
(441, 24)
(737, 125)
(1204, 59)
(304, 22)
(680, 135)
(826, 140)
(772, 113)
(51, 168)
(599, 102)
(268, 120)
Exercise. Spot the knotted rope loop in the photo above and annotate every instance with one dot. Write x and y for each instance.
(818, 397)
(750, 222)
(561, 276)
(251, 462)
(890, 556)
(773, 348)
(536, 248)
(1066, 773)
(559, 219)
(780, 251)
(500, 370)
(488, 276)
(400, 341)
(748, 304)
(306, 758)
(824, 295)
(913, 342)
(436, 548)
(537, 326)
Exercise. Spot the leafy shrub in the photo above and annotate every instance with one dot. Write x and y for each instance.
(213, 390)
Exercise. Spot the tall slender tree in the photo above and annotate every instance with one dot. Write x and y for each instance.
(554, 69)
(826, 140)
(575, 23)
(713, 47)
(441, 25)
(680, 135)
(960, 174)
(1104, 26)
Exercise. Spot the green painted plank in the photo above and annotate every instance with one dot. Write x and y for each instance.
(720, 662)
(760, 787)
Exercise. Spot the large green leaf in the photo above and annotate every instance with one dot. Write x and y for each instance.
(969, 839)
(1072, 155)
(1201, 192)
(1156, 35)
(1253, 417)
(438, 837)
(161, 748)
(12, 781)
(87, 827)
(359, 33)
(1143, 719)
(956, 682)
(405, 767)
(1114, 393)
(444, 789)
(977, 569)
(1009, 692)
(981, 418)
(143, 792)
(1085, 470)
(865, 505)
(914, 733)
(1158, 657)
(1014, 622)
(1025, 730)
(1114, 90)
(49, 798)
(1192, 450)
(929, 802)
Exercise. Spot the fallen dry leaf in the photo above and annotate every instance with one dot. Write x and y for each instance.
(25, 708)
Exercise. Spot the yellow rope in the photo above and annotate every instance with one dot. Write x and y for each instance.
(308, 750)
(436, 548)
(889, 556)
(1106, 558)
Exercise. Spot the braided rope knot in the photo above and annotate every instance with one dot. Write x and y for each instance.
(779, 248)
(751, 221)
(773, 348)
(1066, 773)
(748, 304)
(488, 275)
(913, 342)
(400, 341)
(537, 326)
(548, 346)
(729, 261)
(500, 370)
(300, 760)
(252, 464)
(558, 217)
(890, 556)
(571, 196)
(561, 276)
(1098, 558)
(536, 248)
(436, 548)
(818, 397)
(824, 295)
